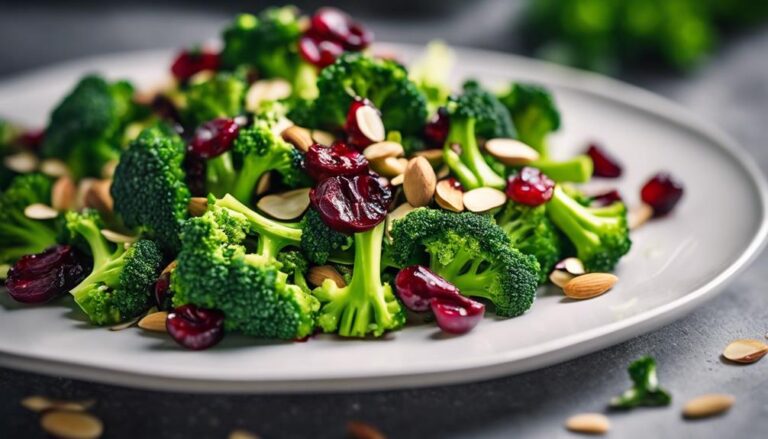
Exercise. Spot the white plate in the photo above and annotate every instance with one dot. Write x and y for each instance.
(675, 264)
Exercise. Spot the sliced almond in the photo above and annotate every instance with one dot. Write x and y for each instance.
(398, 213)
(574, 266)
(39, 403)
(397, 180)
(266, 90)
(54, 168)
(639, 215)
(118, 238)
(443, 172)
(71, 425)
(154, 322)
(370, 124)
(362, 430)
(433, 156)
(98, 197)
(264, 183)
(82, 188)
(126, 324)
(560, 277)
(287, 205)
(323, 137)
(22, 162)
(390, 166)
(448, 196)
(419, 182)
(484, 199)
(242, 434)
(590, 423)
(108, 170)
(299, 137)
(39, 211)
(589, 285)
(317, 275)
(197, 206)
(170, 267)
(708, 405)
(511, 152)
(745, 350)
(63, 193)
(380, 150)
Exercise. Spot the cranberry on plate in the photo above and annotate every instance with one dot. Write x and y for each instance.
(605, 165)
(214, 138)
(195, 328)
(662, 192)
(418, 285)
(322, 162)
(436, 129)
(42, 277)
(352, 204)
(530, 186)
(457, 314)
(364, 125)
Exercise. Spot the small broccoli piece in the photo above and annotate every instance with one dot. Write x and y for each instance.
(492, 117)
(471, 252)
(296, 265)
(86, 128)
(318, 241)
(576, 170)
(20, 235)
(530, 231)
(432, 72)
(366, 306)
(222, 95)
(384, 82)
(119, 286)
(600, 235)
(645, 390)
(149, 188)
(534, 113)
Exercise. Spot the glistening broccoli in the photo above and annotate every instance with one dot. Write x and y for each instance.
(575, 170)
(534, 113)
(222, 95)
(318, 241)
(19, 234)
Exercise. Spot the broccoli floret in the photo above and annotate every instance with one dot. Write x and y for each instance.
(366, 306)
(214, 270)
(471, 252)
(119, 286)
(645, 389)
(295, 265)
(384, 82)
(600, 234)
(530, 231)
(20, 235)
(534, 113)
(149, 188)
(576, 170)
(492, 117)
(431, 74)
(86, 128)
(222, 95)
(318, 241)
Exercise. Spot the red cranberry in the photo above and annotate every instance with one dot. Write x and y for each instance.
(188, 63)
(164, 108)
(163, 290)
(606, 198)
(530, 186)
(436, 129)
(457, 314)
(322, 162)
(351, 204)
(41, 277)
(335, 25)
(662, 192)
(417, 285)
(318, 52)
(194, 169)
(32, 139)
(605, 165)
(195, 328)
(214, 138)
(364, 125)
(456, 184)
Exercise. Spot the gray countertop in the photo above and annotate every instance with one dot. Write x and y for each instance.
(731, 91)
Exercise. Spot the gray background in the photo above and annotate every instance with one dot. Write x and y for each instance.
(731, 92)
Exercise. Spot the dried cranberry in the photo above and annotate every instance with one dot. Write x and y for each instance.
(32, 139)
(318, 52)
(436, 129)
(606, 198)
(605, 165)
(335, 25)
(195, 328)
(364, 125)
(188, 63)
(417, 285)
(457, 314)
(194, 169)
(322, 162)
(662, 192)
(41, 277)
(163, 290)
(351, 204)
(164, 108)
(214, 137)
(530, 186)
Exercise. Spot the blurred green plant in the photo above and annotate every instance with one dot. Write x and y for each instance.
(607, 35)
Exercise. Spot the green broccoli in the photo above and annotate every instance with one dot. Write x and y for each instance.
(575, 170)
(20, 235)
(295, 265)
(530, 231)
(471, 252)
(149, 188)
(431, 74)
(9, 134)
(318, 241)
(222, 95)
(119, 286)
(534, 113)
(600, 234)
(86, 128)
(645, 389)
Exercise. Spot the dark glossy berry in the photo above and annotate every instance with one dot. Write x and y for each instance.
(162, 290)
(318, 52)
(335, 25)
(188, 63)
(530, 186)
(214, 138)
(364, 125)
(606, 198)
(457, 314)
(32, 139)
(322, 162)
(195, 328)
(352, 204)
(417, 285)
(165, 109)
(436, 129)
(662, 192)
(194, 170)
(44, 276)
(605, 165)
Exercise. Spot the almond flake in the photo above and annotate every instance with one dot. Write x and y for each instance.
(197, 206)
(448, 196)
(63, 193)
(484, 199)
(39, 404)
(299, 137)
(266, 90)
(560, 277)
(118, 238)
(54, 168)
(639, 215)
(383, 150)
(708, 405)
(433, 156)
(317, 275)
(397, 180)
(590, 423)
(390, 166)
(98, 196)
(71, 425)
(370, 124)
(398, 213)
(323, 137)
(242, 434)
(39, 211)
(285, 206)
(745, 350)
(511, 152)
(22, 162)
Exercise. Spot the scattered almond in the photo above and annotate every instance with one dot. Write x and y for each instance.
(511, 152)
(397, 180)
(197, 206)
(126, 324)
(433, 156)
(98, 197)
(590, 423)
(574, 266)
(398, 213)
(323, 137)
(54, 168)
(419, 182)
(380, 150)
(299, 137)
(63, 193)
(154, 322)
(484, 199)
(745, 350)
(39, 211)
(560, 277)
(317, 275)
(370, 124)
(22, 162)
(71, 425)
(170, 267)
(708, 405)
(390, 166)
(83, 186)
(448, 196)
(39, 403)
(639, 215)
(589, 285)
(264, 183)
(362, 430)
(443, 172)
(242, 434)
(118, 238)
(266, 90)
(287, 205)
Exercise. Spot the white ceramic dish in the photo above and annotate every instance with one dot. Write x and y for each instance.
(675, 264)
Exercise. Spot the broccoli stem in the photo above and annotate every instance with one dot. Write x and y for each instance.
(576, 170)
(464, 174)
(572, 218)
(462, 132)
(219, 173)
(100, 250)
(274, 236)
(305, 81)
(33, 232)
(252, 170)
(107, 274)
(465, 274)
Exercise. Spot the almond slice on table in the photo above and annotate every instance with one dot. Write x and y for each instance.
(40, 211)
(154, 322)
(63, 193)
(590, 423)
(54, 168)
(745, 351)
(22, 162)
(639, 215)
(383, 150)
(433, 156)
(323, 137)
(299, 137)
(484, 199)
(197, 206)
(708, 405)
(511, 152)
(589, 285)
(448, 196)
(242, 434)
(317, 275)
(285, 206)
(37, 403)
(71, 425)
(419, 182)
(389, 166)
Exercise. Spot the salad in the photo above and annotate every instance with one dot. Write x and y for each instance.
(294, 182)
